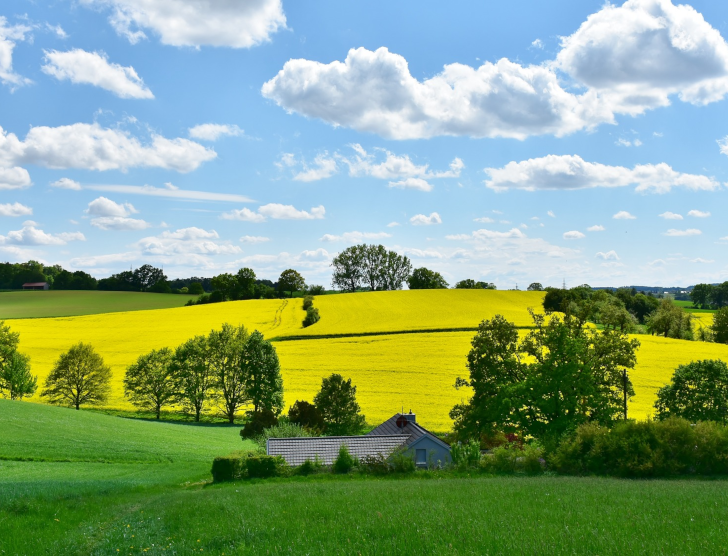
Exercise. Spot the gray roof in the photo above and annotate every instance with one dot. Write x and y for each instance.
(412, 430)
(297, 450)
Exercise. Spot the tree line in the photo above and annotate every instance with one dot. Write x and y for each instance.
(709, 296)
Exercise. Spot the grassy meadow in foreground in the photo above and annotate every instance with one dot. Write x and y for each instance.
(41, 304)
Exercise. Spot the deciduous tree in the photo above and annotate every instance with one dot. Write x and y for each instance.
(16, 382)
(426, 279)
(348, 268)
(225, 349)
(337, 403)
(262, 374)
(194, 378)
(150, 382)
(720, 326)
(79, 377)
(291, 281)
(698, 392)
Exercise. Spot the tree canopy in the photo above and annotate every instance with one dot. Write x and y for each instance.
(149, 383)
(262, 374)
(698, 391)
(291, 281)
(79, 377)
(337, 403)
(426, 279)
(369, 266)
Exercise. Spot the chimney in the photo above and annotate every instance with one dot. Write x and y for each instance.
(411, 417)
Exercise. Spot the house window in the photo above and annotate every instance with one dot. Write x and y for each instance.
(421, 457)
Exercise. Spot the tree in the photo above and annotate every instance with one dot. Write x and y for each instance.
(720, 325)
(146, 276)
(246, 283)
(337, 403)
(150, 382)
(307, 415)
(8, 342)
(698, 392)
(78, 377)
(559, 376)
(348, 269)
(262, 374)
(16, 382)
(395, 271)
(701, 296)
(225, 348)
(426, 279)
(194, 378)
(195, 288)
(671, 321)
(468, 284)
(374, 259)
(535, 287)
(226, 284)
(719, 295)
(291, 281)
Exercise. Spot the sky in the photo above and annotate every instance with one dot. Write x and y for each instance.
(510, 142)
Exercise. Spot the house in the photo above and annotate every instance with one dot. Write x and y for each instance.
(401, 431)
(36, 286)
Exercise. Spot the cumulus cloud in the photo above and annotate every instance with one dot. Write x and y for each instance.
(484, 220)
(393, 224)
(109, 215)
(212, 132)
(412, 183)
(15, 209)
(608, 256)
(14, 178)
(638, 54)
(91, 147)
(106, 207)
(31, 235)
(66, 183)
(355, 237)
(230, 23)
(624, 215)
(94, 68)
(323, 167)
(119, 223)
(700, 260)
(671, 216)
(422, 220)
(596, 228)
(185, 241)
(254, 239)
(565, 172)
(698, 214)
(10, 35)
(275, 211)
(374, 91)
(574, 234)
(682, 233)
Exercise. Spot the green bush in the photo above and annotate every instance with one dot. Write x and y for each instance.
(403, 461)
(261, 466)
(502, 460)
(312, 317)
(532, 461)
(227, 468)
(465, 455)
(376, 465)
(316, 290)
(258, 421)
(282, 430)
(344, 462)
(309, 467)
(307, 302)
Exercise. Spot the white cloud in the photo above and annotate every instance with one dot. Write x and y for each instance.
(638, 54)
(13, 178)
(671, 216)
(15, 209)
(596, 228)
(66, 183)
(91, 147)
(119, 223)
(93, 261)
(355, 237)
(9, 36)
(538, 43)
(375, 92)
(624, 215)
(698, 214)
(574, 234)
(608, 256)
(30, 235)
(254, 239)
(484, 220)
(566, 172)
(275, 211)
(324, 168)
(185, 241)
(171, 192)
(422, 220)
(412, 183)
(484, 234)
(682, 233)
(393, 224)
(289, 212)
(422, 253)
(106, 207)
(212, 132)
(94, 68)
(700, 260)
(196, 23)
(551, 214)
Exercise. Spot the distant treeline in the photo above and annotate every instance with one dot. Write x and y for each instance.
(710, 296)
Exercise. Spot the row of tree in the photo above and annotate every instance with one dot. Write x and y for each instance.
(709, 296)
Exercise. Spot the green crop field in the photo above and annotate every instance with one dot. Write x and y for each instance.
(39, 304)
(103, 485)
(688, 306)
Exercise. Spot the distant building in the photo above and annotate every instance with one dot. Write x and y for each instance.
(399, 432)
(36, 286)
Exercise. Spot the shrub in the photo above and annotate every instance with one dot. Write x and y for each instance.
(532, 462)
(403, 461)
(262, 466)
(195, 288)
(307, 415)
(307, 302)
(309, 467)
(344, 462)
(465, 455)
(501, 460)
(227, 468)
(316, 290)
(258, 422)
(376, 465)
(711, 448)
(312, 317)
(281, 430)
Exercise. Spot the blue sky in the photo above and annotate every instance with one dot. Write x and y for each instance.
(508, 142)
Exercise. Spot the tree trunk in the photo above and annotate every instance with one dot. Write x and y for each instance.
(159, 410)
(197, 414)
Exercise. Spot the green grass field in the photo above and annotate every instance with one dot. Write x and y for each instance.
(40, 304)
(105, 485)
(688, 306)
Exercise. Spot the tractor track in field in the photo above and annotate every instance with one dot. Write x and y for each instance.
(389, 333)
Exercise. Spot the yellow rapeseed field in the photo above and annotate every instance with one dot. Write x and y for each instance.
(415, 371)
